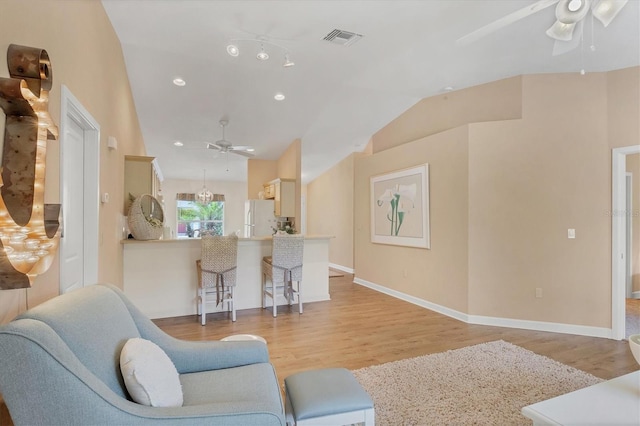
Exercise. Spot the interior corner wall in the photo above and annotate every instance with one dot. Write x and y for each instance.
(290, 167)
(330, 210)
(530, 181)
(440, 274)
(86, 56)
(259, 172)
(623, 107)
(541, 169)
(498, 100)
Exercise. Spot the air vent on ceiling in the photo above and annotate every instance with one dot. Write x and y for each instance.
(343, 38)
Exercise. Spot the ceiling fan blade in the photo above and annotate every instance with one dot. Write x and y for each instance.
(562, 47)
(214, 146)
(243, 153)
(239, 147)
(504, 21)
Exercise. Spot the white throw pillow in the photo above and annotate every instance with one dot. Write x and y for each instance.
(149, 375)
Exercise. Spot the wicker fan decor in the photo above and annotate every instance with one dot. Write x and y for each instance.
(146, 218)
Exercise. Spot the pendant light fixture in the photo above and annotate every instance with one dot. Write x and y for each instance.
(205, 196)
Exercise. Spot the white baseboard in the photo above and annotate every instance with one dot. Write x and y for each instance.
(341, 268)
(580, 330)
(635, 295)
(553, 327)
(415, 300)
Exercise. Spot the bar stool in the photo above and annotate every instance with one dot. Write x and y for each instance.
(217, 272)
(281, 269)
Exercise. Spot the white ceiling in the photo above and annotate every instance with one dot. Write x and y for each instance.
(336, 97)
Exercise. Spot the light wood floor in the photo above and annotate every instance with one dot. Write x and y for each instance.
(360, 327)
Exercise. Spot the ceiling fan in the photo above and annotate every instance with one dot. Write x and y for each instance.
(566, 30)
(225, 146)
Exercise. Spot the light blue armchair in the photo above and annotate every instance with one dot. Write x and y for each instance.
(59, 364)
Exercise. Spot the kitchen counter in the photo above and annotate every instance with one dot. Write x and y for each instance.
(159, 276)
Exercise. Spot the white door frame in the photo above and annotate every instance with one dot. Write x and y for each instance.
(618, 238)
(72, 109)
(628, 181)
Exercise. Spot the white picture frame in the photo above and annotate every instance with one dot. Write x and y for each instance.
(400, 207)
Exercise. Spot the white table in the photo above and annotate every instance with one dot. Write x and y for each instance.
(614, 402)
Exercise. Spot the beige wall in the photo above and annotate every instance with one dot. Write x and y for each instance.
(633, 167)
(502, 232)
(330, 210)
(259, 172)
(86, 57)
(531, 180)
(500, 100)
(290, 167)
(623, 107)
(438, 275)
(234, 194)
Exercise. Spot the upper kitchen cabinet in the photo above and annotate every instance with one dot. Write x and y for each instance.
(283, 192)
(140, 178)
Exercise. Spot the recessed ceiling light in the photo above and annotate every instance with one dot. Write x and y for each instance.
(178, 143)
(233, 50)
(448, 88)
(250, 149)
(279, 96)
(179, 82)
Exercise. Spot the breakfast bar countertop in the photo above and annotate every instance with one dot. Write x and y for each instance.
(240, 239)
(159, 276)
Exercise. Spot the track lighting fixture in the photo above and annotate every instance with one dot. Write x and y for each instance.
(233, 49)
(262, 55)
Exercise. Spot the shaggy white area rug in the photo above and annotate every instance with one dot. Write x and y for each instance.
(485, 384)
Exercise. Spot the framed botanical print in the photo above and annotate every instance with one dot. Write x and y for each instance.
(400, 207)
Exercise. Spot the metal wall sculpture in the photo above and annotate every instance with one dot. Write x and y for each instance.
(28, 228)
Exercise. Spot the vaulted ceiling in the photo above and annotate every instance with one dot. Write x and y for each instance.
(336, 96)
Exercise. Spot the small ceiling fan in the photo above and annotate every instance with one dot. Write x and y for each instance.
(566, 30)
(225, 146)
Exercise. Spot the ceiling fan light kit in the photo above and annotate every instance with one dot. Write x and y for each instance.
(606, 10)
(571, 11)
(570, 16)
(561, 31)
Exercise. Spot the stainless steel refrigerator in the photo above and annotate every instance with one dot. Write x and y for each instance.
(259, 220)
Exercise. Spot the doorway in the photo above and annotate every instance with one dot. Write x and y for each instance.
(621, 251)
(79, 184)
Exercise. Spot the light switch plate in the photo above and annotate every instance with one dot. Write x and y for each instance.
(571, 233)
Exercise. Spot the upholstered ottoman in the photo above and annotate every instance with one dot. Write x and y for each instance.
(330, 396)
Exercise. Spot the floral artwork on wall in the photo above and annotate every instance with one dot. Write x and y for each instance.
(400, 207)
